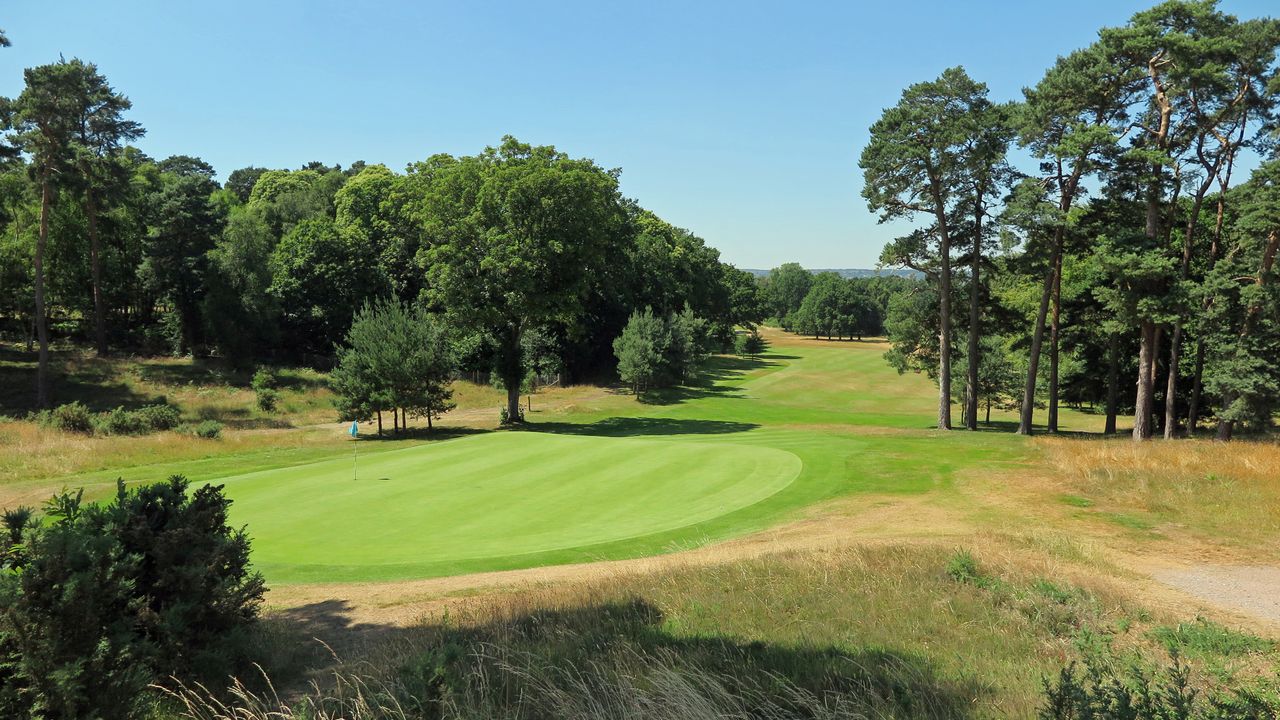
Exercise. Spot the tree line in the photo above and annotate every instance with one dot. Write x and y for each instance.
(532, 258)
(1131, 252)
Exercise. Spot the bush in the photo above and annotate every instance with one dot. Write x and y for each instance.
(268, 399)
(1108, 689)
(102, 600)
(149, 418)
(207, 429)
(504, 417)
(265, 384)
(71, 417)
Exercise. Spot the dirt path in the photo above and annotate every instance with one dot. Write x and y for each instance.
(1249, 589)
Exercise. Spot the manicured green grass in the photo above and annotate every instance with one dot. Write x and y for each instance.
(757, 441)
(481, 501)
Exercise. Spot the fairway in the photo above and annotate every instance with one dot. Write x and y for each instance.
(488, 500)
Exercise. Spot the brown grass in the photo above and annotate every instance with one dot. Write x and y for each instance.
(1218, 492)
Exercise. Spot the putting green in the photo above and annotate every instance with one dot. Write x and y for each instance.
(489, 501)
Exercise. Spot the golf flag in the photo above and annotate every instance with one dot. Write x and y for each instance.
(355, 428)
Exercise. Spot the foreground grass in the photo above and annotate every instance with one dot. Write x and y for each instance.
(895, 631)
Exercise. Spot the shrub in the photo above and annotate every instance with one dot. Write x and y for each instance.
(207, 429)
(268, 399)
(71, 417)
(149, 418)
(1207, 638)
(102, 600)
(159, 417)
(265, 384)
(1108, 689)
(504, 417)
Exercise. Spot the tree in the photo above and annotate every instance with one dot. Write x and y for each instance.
(241, 181)
(515, 234)
(394, 357)
(185, 227)
(100, 128)
(42, 123)
(1071, 121)
(319, 280)
(787, 287)
(639, 350)
(916, 164)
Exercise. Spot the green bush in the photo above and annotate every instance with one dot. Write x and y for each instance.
(71, 417)
(265, 384)
(149, 418)
(1207, 638)
(264, 379)
(102, 600)
(207, 429)
(1107, 689)
(159, 417)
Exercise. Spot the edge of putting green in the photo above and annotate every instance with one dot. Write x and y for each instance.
(753, 514)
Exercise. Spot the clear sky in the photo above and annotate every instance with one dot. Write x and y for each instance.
(741, 121)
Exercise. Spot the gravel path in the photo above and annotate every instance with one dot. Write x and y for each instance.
(1251, 589)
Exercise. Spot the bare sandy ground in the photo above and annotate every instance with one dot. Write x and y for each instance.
(1249, 589)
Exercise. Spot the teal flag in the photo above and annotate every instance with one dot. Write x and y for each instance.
(355, 428)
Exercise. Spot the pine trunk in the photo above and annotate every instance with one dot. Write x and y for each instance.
(1143, 401)
(95, 262)
(42, 321)
(1054, 344)
(975, 319)
(1113, 384)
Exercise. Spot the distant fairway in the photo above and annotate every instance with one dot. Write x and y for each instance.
(489, 501)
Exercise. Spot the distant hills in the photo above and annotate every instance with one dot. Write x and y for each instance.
(853, 272)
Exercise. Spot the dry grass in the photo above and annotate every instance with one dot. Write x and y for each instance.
(1219, 492)
(844, 632)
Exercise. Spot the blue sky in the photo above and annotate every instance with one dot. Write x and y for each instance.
(741, 121)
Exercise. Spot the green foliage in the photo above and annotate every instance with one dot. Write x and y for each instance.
(207, 429)
(102, 600)
(639, 350)
(516, 234)
(395, 356)
(264, 384)
(1109, 690)
(749, 344)
(146, 419)
(1205, 638)
(71, 417)
(320, 280)
(657, 352)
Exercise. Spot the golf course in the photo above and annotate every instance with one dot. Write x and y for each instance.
(757, 441)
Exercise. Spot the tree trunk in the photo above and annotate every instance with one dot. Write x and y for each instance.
(1197, 389)
(1171, 386)
(42, 322)
(1037, 343)
(429, 426)
(944, 331)
(1113, 384)
(1054, 336)
(975, 319)
(512, 372)
(1143, 401)
(95, 262)
(395, 420)
(379, 422)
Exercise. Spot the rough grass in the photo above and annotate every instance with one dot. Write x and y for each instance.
(1220, 492)
(848, 632)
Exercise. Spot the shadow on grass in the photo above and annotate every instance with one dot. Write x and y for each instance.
(640, 426)
(714, 380)
(613, 655)
(86, 385)
(368, 434)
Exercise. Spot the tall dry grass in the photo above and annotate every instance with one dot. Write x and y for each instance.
(1227, 491)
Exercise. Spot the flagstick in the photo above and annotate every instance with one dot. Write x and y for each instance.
(354, 453)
